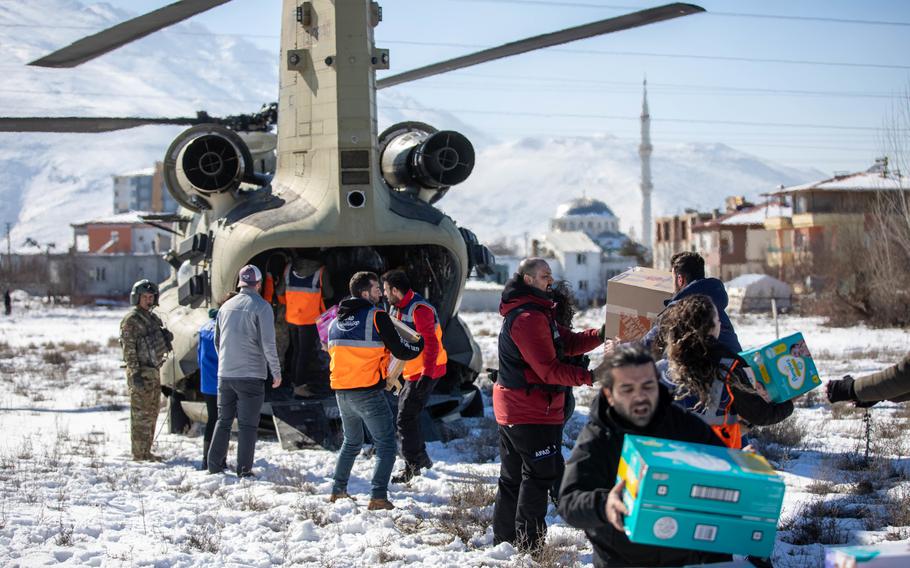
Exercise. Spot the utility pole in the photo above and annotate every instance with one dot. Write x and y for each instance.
(9, 248)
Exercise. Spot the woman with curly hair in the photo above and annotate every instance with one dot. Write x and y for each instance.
(710, 380)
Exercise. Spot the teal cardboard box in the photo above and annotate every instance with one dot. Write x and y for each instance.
(699, 497)
(784, 367)
(882, 555)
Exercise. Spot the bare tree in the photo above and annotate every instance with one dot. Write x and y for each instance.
(888, 236)
(867, 272)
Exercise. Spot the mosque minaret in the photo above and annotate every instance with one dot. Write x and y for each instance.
(644, 152)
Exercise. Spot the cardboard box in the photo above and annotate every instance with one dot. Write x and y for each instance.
(784, 367)
(699, 497)
(396, 366)
(883, 555)
(634, 299)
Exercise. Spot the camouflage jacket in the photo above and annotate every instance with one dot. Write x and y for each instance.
(144, 340)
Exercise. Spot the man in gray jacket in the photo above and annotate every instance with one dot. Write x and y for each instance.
(245, 340)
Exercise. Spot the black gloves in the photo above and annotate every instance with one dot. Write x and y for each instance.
(168, 338)
(844, 391)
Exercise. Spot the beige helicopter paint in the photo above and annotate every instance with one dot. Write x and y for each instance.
(327, 111)
(324, 109)
(327, 105)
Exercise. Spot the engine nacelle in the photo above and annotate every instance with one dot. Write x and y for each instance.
(419, 160)
(205, 165)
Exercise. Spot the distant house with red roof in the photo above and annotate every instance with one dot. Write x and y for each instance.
(736, 242)
(123, 233)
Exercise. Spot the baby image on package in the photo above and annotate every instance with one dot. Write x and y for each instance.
(784, 368)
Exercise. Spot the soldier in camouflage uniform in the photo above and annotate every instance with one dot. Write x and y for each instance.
(145, 342)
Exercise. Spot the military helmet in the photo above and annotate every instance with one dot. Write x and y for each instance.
(143, 286)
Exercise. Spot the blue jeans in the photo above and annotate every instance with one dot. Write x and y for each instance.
(358, 409)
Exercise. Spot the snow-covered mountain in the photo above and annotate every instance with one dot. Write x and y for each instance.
(50, 181)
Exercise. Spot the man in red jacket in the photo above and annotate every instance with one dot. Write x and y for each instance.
(528, 400)
(420, 374)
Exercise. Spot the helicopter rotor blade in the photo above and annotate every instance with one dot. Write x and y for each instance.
(83, 124)
(123, 33)
(610, 25)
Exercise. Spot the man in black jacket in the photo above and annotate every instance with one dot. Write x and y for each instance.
(689, 279)
(631, 401)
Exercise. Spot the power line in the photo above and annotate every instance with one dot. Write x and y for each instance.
(167, 31)
(538, 114)
(810, 19)
(718, 136)
(734, 142)
(672, 55)
(631, 87)
(627, 86)
(545, 3)
(637, 85)
(551, 4)
(653, 119)
(127, 96)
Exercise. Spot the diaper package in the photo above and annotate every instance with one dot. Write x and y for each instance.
(699, 497)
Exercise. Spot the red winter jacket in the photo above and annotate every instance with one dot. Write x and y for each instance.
(531, 333)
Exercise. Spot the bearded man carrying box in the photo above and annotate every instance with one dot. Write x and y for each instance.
(637, 298)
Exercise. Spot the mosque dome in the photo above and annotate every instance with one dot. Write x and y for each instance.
(584, 206)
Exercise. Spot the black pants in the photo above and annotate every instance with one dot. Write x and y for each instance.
(211, 407)
(307, 362)
(411, 400)
(241, 399)
(529, 464)
(568, 411)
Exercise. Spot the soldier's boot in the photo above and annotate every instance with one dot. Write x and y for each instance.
(149, 457)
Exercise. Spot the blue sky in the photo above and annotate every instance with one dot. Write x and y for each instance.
(822, 114)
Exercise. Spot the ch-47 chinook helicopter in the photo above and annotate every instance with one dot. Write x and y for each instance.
(340, 192)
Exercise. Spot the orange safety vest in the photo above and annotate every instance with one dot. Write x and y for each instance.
(303, 297)
(727, 426)
(268, 288)
(405, 314)
(358, 355)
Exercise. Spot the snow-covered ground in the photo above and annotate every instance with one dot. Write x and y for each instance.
(69, 494)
